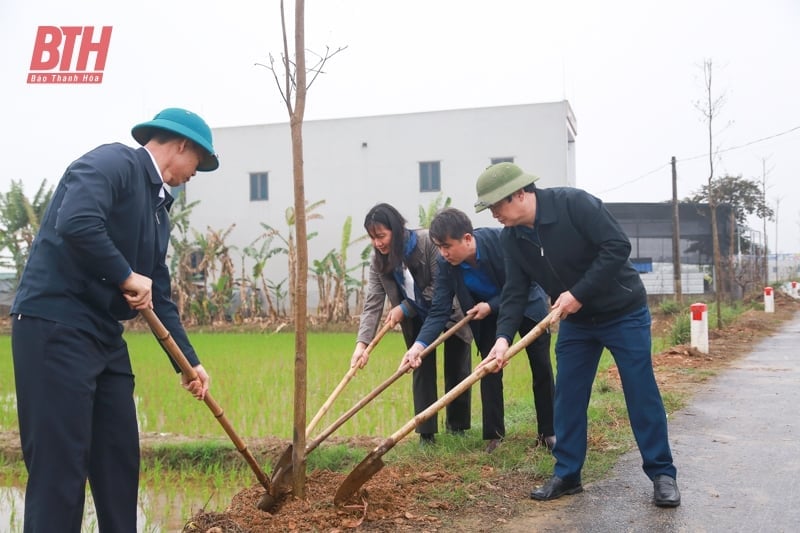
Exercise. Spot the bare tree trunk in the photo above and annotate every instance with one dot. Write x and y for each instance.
(295, 81)
(301, 267)
(711, 196)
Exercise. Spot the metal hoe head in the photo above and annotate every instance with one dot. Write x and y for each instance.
(367, 468)
(281, 473)
(282, 469)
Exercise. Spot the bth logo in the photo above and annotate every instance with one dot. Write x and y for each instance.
(61, 54)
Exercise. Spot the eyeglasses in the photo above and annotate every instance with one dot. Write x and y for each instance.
(497, 205)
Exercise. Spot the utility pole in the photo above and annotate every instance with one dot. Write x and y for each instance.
(764, 193)
(777, 266)
(676, 237)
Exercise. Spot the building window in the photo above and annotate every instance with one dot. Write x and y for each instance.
(259, 186)
(496, 160)
(430, 178)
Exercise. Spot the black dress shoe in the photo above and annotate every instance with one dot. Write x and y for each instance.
(665, 491)
(427, 439)
(492, 445)
(555, 488)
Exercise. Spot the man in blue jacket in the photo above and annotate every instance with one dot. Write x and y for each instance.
(566, 240)
(471, 269)
(99, 257)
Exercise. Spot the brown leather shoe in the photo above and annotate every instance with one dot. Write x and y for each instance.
(556, 488)
(492, 445)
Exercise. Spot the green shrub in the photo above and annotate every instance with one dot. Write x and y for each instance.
(669, 307)
(681, 330)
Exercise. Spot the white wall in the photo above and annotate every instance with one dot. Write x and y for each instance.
(354, 163)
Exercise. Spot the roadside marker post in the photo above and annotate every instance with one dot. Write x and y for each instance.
(769, 300)
(699, 329)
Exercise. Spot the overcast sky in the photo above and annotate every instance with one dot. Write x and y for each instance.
(631, 70)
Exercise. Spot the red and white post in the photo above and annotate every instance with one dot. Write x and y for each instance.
(769, 300)
(699, 314)
(794, 289)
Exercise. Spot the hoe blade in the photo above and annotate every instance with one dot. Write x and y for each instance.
(367, 468)
(282, 469)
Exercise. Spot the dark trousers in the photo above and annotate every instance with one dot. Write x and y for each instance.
(578, 352)
(492, 384)
(77, 421)
(457, 367)
(543, 384)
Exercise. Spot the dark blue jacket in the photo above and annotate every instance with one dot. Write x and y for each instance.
(105, 220)
(449, 282)
(576, 245)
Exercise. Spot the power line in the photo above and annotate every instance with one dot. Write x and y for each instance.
(634, 180)
(745, 145)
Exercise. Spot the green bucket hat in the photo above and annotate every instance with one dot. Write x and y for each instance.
(497, 182)
(184, 123)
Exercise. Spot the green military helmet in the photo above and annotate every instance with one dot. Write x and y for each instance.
(499, 181)
(186, 124)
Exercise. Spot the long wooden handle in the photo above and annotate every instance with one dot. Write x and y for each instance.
(345, 380)
(467, 382)
(165, 338)
(383, 386)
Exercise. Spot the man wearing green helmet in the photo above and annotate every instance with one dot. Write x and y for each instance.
(565, 240)
(98, 258)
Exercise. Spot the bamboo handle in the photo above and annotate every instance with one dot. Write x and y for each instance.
(467, 382)
(345, 380)
(165, 338)
(383, 386)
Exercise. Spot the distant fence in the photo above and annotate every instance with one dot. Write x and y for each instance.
(658, 279)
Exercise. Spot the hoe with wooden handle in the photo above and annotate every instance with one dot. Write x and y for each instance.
(373, 463)
(165, 338)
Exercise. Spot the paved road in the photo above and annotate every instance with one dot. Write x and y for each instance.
(737, 453)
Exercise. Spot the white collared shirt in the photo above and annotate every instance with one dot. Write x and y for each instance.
(161, 193)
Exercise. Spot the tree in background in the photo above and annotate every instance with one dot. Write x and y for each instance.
(260, 251)
(290, 240)
(333, 280)
(358, 285)
(184, 258)
(710, 107)
(217, 267)
(745, 198)
(426, 215)
(20, 218)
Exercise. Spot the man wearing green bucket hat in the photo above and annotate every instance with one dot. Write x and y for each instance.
(565, 240)
(98, 258)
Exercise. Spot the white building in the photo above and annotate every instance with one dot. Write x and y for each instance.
(406, 160)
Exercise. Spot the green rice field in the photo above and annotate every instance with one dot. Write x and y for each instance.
(252, 378)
